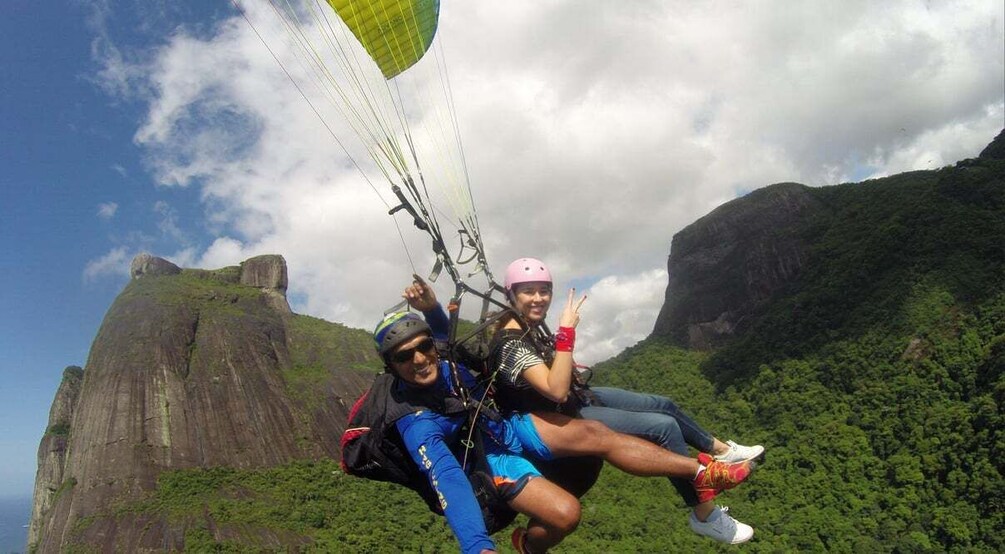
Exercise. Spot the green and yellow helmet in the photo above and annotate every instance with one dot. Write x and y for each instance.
(396, 329)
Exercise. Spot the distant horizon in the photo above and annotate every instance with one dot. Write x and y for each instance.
(15, 512)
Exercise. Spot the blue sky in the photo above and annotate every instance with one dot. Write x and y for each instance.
(56, 135)
(65, 150)
(563, 119)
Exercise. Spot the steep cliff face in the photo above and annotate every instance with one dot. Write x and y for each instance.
(995, 150)
(726, 264)
(50, 481)
(192, 368)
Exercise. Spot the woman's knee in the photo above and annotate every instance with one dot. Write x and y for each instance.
(669, 434)
(656, 428)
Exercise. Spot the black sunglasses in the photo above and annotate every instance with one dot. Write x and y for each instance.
(426, 346)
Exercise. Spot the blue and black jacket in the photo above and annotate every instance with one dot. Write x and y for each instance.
(434, 441)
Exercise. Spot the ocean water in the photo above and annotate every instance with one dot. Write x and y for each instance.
(14, 515)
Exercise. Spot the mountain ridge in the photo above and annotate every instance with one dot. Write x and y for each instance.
(729, 263)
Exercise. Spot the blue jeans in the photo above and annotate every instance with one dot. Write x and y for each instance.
(654, 418)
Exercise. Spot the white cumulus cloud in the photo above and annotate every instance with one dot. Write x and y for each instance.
(114, 262)
(619, 311)
(593, 132)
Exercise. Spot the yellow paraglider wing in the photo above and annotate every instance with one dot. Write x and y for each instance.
(396, 33)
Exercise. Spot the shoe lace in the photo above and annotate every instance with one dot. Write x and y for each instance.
(718, 474)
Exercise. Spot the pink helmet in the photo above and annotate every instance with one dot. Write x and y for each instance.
(526, 270)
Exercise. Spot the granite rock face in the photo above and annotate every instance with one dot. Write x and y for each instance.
(190, 368)
(269, 274)
(995, 150)
(728, 263)
(50, 481)
(146, 264)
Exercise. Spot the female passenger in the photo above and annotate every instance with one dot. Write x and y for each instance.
(536, 375)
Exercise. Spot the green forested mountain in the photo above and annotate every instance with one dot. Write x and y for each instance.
(874, 378)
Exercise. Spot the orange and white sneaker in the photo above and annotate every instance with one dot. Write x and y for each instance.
(718, 476)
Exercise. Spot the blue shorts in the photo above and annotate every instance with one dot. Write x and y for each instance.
(522, 427)
(507, 455)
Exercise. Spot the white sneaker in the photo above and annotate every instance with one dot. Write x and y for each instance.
(740, 453)
(722, 527)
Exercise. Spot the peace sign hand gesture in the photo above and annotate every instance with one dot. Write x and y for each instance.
(570, 314)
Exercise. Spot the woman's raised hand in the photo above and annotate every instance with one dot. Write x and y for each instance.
(570, 314)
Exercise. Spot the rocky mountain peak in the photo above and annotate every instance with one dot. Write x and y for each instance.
(191, 368)
(268, 273)
(147, 264)
(995, 150)
(729, 262)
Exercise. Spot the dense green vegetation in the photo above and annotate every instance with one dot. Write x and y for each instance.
(876, 382)
(318, 343)
(61, 429)
(308, 505)
(195, 289)
(940, 230)
(317, 349)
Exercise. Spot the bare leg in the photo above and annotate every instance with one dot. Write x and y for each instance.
(704, 509)
(718, 447)
(566, 436)
(553, 512)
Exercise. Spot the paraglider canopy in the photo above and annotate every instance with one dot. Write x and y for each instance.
(366, 59)
(396, 33)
